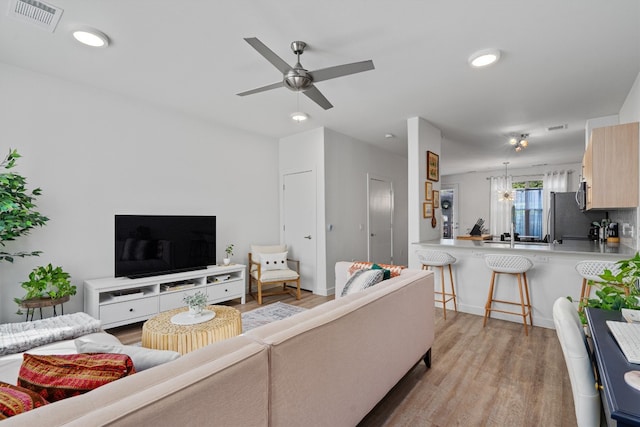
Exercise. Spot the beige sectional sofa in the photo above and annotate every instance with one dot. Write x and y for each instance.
(328, 366)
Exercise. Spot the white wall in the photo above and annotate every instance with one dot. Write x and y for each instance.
(305, 152)
(347, 163)
(342, 164)
(474, 191)
(630, 111)
(95, 154)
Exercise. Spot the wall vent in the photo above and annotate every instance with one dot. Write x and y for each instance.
(40, 14)
(558, 127)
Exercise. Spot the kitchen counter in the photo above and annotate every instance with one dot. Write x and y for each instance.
(584, 247)
(553, 274)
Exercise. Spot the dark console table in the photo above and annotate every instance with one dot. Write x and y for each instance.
(621, 402)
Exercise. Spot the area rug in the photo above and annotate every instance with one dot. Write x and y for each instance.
(267, 314)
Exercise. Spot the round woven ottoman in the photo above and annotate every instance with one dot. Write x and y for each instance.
(161, 334)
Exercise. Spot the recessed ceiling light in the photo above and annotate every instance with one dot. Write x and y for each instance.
(299, 116)
(485, 57)
(91, 37)
(389, 135)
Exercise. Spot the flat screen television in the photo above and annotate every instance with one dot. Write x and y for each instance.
(149, 245)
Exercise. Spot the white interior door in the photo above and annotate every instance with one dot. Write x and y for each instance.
(380, 221)
(299, 223)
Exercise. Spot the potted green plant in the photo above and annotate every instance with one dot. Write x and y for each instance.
(196, 302)
(17, 207)
(47, 286)
(229, 251)
(618, 290)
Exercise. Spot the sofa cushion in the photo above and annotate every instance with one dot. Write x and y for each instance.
(276, 275)
(60, 376)
(362, 279)
(387, 272)
(277, 261)
(15, 400)
(363, 265)
(143, 358)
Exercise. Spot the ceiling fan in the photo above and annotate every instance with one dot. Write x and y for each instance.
(297, 78)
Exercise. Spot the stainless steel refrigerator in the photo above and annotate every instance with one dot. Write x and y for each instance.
(567, 221)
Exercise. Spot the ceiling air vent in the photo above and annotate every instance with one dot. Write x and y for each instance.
(40, 14)
(558, 127)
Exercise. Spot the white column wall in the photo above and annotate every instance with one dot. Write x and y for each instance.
(422, 137)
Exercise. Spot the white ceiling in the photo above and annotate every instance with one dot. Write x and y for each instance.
(563, 62)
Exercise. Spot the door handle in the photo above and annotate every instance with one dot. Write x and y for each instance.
(308, 237)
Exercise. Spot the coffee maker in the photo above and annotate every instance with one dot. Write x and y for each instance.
(612, 233)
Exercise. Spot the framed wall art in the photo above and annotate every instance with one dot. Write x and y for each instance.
(436, 199)
(427, 210)
(428, 191)
(433, 166)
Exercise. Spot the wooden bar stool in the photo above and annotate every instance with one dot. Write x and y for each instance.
(515, 265)
(440, 259)
(590, 270)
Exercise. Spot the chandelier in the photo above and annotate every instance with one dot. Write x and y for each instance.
(519, 143)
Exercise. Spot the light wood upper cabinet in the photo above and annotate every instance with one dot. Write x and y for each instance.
(610, 167)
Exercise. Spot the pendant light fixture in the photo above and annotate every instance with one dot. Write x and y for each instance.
(506, 194)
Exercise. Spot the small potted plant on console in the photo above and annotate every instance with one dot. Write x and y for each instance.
(196, 303)
(229, 252)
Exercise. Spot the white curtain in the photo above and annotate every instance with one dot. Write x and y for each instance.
(500, 210)
(556, 181)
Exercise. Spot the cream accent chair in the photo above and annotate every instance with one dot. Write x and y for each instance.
(269, 278)
(570, 332)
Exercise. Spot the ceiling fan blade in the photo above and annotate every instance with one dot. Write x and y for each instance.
(314, 94)
(341, 70)
(269, 55)
(261, 89)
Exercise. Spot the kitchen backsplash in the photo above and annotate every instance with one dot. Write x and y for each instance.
(626, 219)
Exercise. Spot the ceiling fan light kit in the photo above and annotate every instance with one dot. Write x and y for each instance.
(297, 78)
(483, 58)
(299, 116)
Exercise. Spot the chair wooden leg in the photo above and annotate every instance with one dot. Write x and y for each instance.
(584, 293)
(259, 293)
(443, 295)
(453, 290)
(298, 294)
(524, 313)
(528, 296)
(487, 307)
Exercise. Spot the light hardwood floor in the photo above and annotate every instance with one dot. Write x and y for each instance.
(493, 376)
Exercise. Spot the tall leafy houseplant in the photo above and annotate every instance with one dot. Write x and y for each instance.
(17, 207)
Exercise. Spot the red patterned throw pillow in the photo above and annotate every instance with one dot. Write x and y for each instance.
(15, 400)
(61, 376)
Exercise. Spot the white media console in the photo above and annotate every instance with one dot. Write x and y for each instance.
(121, 301)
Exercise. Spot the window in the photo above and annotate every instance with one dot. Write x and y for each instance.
(528, 208)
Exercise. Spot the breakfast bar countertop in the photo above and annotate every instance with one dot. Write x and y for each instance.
(585, 247)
